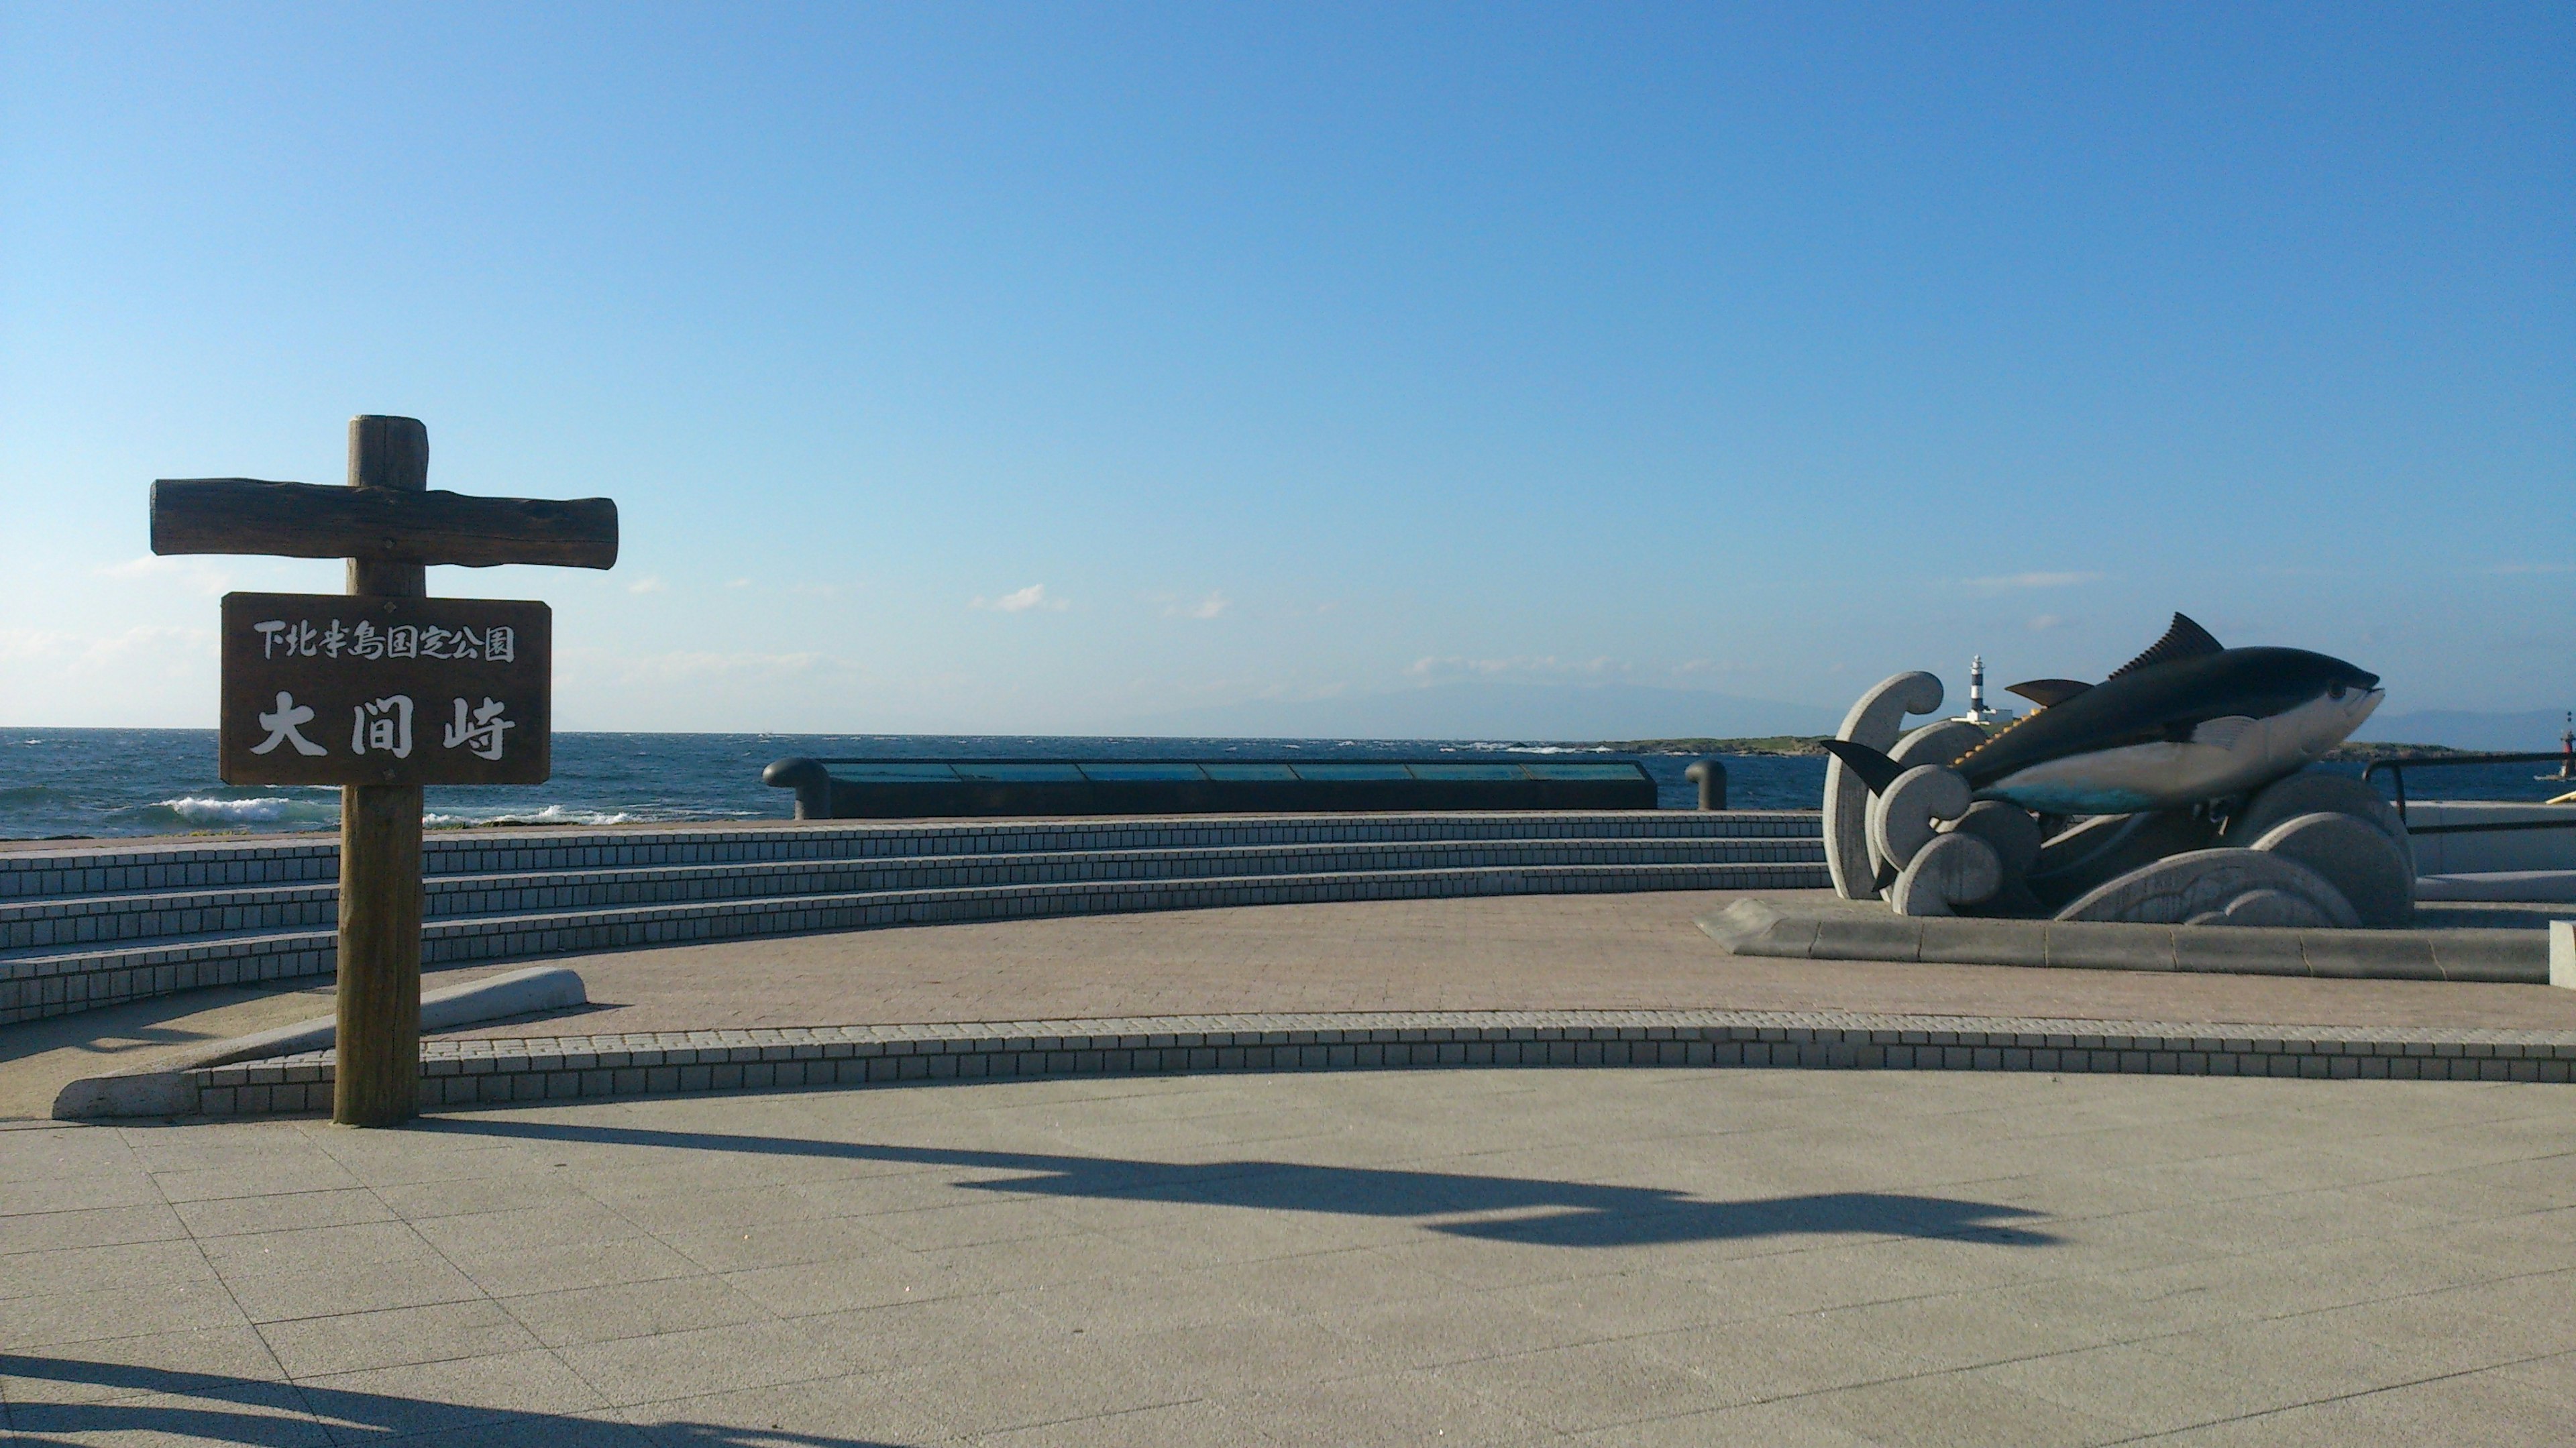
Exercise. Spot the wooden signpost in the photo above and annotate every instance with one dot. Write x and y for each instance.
(382, 691)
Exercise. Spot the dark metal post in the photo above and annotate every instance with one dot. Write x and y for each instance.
(1710, 776)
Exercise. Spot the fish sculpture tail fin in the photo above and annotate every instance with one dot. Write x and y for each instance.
(1875, 769)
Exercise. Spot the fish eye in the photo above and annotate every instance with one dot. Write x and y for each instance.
(2334, 691)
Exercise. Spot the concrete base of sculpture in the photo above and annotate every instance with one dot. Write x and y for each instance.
(2308, 851)
(1838, 930)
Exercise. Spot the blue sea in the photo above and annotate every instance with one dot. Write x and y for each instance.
(81, 782)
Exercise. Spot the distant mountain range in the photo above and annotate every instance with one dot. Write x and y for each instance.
(2461, 729)
(1481, 709)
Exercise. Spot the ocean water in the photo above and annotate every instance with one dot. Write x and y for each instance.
(82, 782)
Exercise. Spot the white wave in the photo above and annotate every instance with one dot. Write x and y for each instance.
(555, 814)
(267, 809)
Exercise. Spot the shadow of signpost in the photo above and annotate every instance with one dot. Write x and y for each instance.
(156, 1403)
(1554, 1213)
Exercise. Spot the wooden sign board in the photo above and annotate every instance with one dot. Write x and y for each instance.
(326, 688)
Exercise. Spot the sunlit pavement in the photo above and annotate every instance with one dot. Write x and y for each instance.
(1633, 1256)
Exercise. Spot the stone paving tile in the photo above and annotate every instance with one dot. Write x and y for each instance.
(457, 1393)
(242, 1256)
(93, 1227)
(116, 1369)
(1586, 1386)
(1965, 1409)
(346, 1342)
(271, 1415)
(241, 1216)
(571, 1266)
(880, 1279)
(65, 1319)
(857, 1411)
(631, 1310)
(352, 1287)
(1773, 1425)
(690, 1362)
(1187, 1423)
(1417, 1406)
(163, 1264)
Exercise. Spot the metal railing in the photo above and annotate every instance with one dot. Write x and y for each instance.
(2397, 768)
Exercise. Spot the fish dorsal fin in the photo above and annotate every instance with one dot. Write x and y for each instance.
(2048, 693)
(2185, 640)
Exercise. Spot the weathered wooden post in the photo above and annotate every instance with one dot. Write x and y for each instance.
(377, 1081)
(378, 657)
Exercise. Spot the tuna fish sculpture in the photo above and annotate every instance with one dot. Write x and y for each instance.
(2185, 773)
(2189, 720)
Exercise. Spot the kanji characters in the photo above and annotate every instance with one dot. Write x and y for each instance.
(281, 727)
(480, 733)
(383, 726)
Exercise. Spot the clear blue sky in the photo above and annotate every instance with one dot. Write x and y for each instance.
(1072, 368)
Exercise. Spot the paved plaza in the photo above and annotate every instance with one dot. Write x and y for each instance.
(1634, 1256)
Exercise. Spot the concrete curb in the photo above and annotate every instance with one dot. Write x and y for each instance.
(1759, 927)
(168, 1085)
(565, 1068)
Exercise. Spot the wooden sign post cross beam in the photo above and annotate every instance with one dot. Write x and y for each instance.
(375, 659)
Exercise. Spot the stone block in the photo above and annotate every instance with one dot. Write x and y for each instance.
(2007, 828)
(1867, 937)
(1949, 871)
(2311, 792)
(1984, 942)
(2369, 955)
(2196, 882)
(2104, 945)
(2360, 860)
(1901, 818)
(2239, 952)
(1874, 720)
(2562, 954)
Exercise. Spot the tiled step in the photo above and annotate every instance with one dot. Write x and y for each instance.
(127, 867)
(47, 924)
(33, 985)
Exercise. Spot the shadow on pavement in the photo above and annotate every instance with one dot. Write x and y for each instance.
(1565, 1214)
(157, 1404)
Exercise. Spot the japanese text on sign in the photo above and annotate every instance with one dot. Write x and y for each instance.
(362, 690)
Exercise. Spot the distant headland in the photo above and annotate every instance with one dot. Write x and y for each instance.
(1800, 745)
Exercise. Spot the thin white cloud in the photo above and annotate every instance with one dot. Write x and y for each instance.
(737, 583)
(2042, 623)
(134, 646)
(196, 573)
(2512, 568)
(1522, 666)
(686, 665)
(649, 583)
(1209, 607)
(1021, 601)
(2012, 582)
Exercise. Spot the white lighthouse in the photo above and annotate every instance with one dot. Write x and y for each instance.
(1979, 713)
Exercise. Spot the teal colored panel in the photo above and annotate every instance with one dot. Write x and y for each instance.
(1585, 771)
(1468, 771)
(1019, 773)
(1252, 773)
(1109, 772)
(1351, 771)
(895, 773)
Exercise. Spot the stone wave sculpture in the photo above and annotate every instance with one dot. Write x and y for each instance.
(2176, 791)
